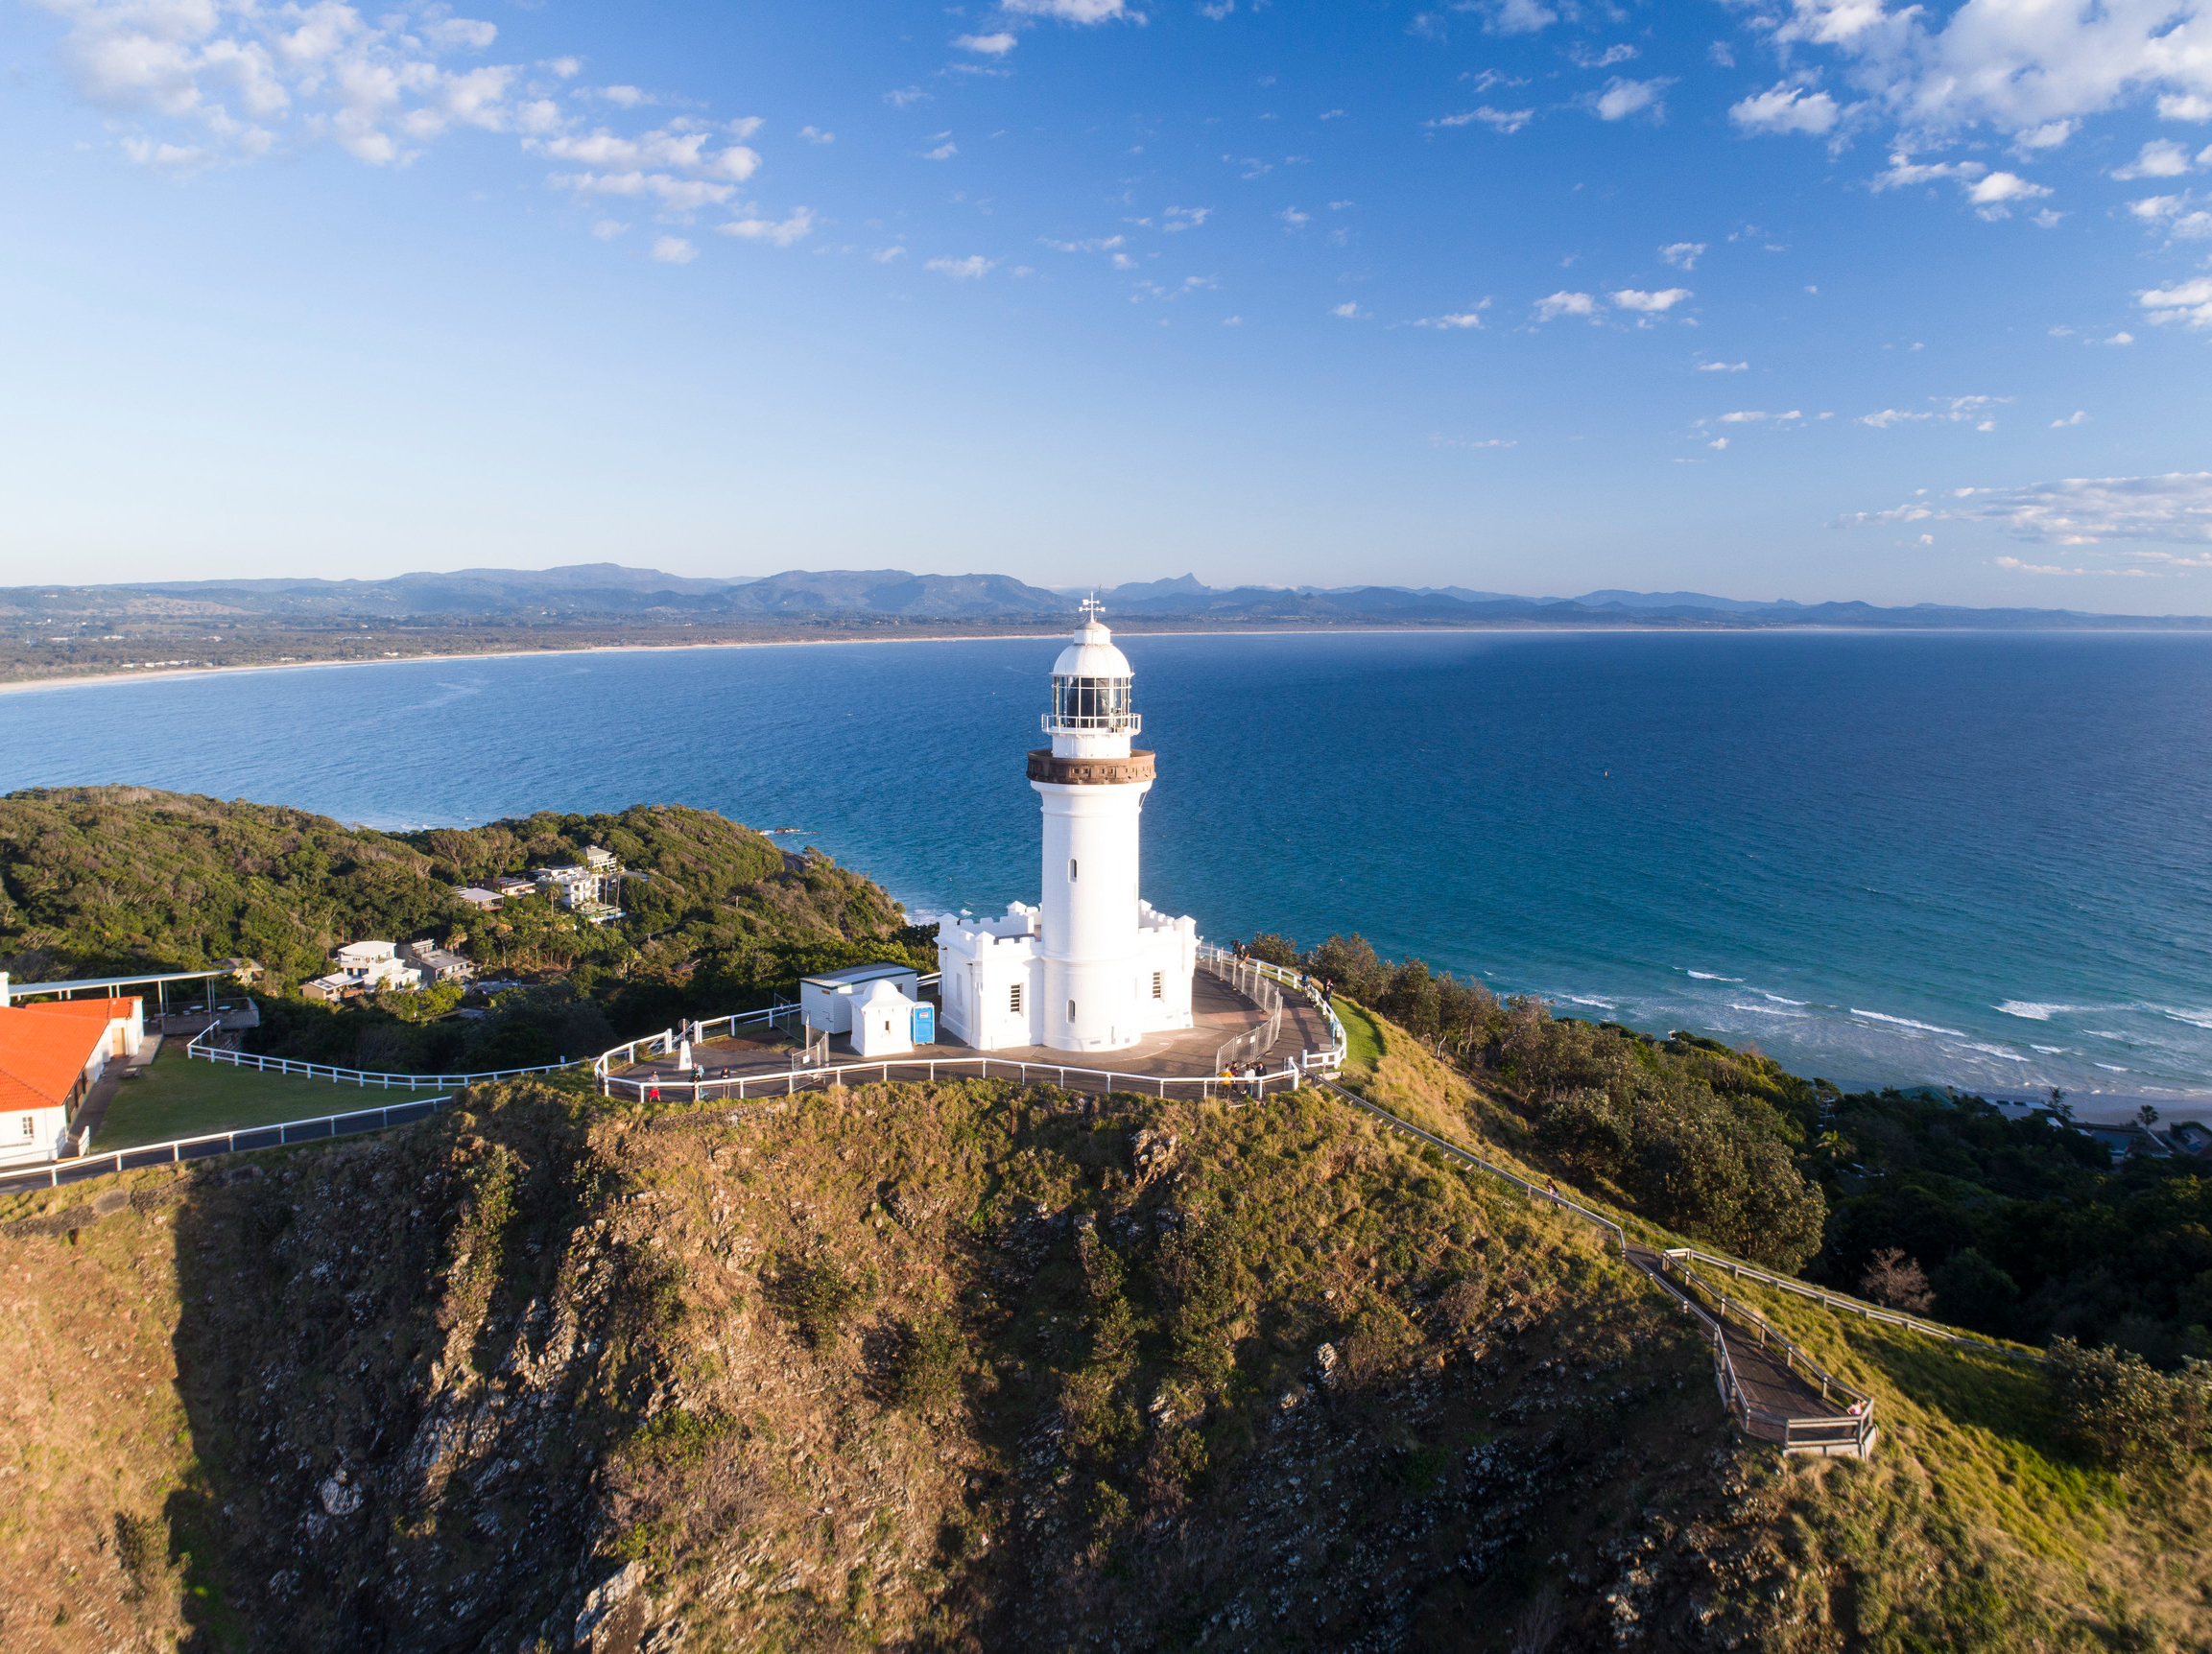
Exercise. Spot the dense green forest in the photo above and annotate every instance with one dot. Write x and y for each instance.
(104, 880)
(1931, 1201)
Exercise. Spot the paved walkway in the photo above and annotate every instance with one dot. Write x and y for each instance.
(1221, 1014)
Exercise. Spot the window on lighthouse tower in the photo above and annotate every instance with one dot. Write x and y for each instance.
(1071, 869)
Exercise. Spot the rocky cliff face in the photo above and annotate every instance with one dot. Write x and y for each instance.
(925, 1368)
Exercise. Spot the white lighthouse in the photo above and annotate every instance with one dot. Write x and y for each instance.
(1092, 967)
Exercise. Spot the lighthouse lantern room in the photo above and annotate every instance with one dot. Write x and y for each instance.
(1092, 967)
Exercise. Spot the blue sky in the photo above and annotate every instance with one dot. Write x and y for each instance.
(1810, 299)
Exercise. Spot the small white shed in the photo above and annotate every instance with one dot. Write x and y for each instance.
(883, 1023)
(828, 1001)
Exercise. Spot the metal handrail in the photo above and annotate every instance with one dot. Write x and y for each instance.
(1858, 1307)
(56, 1172)
(1287, 1077)
(354, 1075)
(1320, 1062)
(1448, 1146)
(1857, 1421)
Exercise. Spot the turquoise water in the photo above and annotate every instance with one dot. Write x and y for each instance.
(1972, 859)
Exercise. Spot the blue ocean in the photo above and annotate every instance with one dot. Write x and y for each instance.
(1978, 860)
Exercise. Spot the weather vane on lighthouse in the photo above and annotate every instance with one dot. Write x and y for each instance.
(1093, 966)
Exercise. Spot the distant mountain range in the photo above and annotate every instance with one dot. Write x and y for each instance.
(613, 593)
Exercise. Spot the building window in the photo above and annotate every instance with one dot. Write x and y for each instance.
(30, 1125)
(1071, 869)
(1159, 984)
(1071, 1010)
(1014, 1002)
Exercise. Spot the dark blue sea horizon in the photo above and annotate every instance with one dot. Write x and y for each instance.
(1968, 858)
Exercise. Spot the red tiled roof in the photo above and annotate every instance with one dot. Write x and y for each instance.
(42, 1055)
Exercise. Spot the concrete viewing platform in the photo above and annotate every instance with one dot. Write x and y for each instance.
(1223, 1014)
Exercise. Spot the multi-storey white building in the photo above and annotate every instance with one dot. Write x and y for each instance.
(1093, 967)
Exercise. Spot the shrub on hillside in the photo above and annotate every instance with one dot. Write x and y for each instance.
(2117, 1407)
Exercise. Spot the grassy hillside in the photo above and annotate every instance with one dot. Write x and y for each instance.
(108, 881)
(966, 1367)
(2015, 1228)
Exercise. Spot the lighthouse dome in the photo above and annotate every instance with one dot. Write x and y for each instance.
(1092, 655)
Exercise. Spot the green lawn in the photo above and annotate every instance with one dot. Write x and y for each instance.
(179, 1097)
(1363, 1039)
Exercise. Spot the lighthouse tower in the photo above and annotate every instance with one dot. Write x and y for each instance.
(1093, 967)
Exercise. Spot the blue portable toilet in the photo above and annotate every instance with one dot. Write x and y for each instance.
(925, 1024)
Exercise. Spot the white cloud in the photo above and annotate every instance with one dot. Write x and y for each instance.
(673, 147)
(815, 136)
(1473, 442)
(2176, 508)
(1650, 303)
(1990, 194)
(1720, 442)
(674, 194)
(2026, 68)
(2120, 339)
(1995, 194)
(904, 96)
(2152, 208)
(944, 151)
(1511, 16)
(1178, 218)
(1462, 320)
(1232, 322)
(973, 268)
(674, 249)
(1507, 121)
(1786, 109)
(245, 79)
(1331, 115)
(884, 255)
(774, 232)
(1950, 409)
(1905, 171)
(1723, 366)
(996, 45)
(1294, 218)
(2189, 302)
(2077, 417)
(1565, 303)
(1622, 97)
(623, 97)
(2049, 135)
(1072, 11)
(1759, 416)
(607, 229)
(1585, 58)
(2159, 158)
(1683, 254)
(567, 68)
(1097, 243)
(1349, 311)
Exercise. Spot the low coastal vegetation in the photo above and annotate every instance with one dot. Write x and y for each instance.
(1930, 1201)
(102, 880)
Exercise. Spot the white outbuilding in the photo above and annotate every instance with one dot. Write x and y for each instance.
(1093, 967)
(828, 1001)
(883, 1023)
